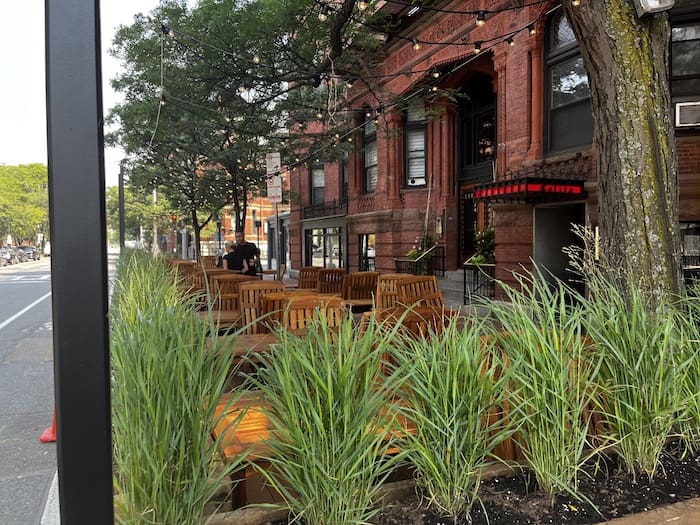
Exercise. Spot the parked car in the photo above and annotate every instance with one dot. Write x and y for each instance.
(31, 253)
(47, 248)
(3, 261)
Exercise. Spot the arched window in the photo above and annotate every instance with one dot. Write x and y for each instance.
(569, 121)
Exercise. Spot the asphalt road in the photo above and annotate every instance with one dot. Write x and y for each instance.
(27, 466)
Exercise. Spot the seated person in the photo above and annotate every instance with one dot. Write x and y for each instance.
(234, 260)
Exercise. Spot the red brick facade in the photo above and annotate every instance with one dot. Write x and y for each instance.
(514, 77)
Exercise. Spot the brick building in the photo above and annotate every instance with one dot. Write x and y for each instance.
(499, 138)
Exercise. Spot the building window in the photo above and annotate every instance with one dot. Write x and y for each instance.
(318, 185)
(685, 73)
(369, 174)
(415, 138)
(568, 104)
(345, 175)
(324, 247)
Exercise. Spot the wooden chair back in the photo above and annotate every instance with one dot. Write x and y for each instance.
(225, 287)
(417, 321)
(308, 277)
(330, 280)
(207, 261)
(249, 300)
(300, 311)
(282, 270)
(387, 293)
(420, 290)
(360, 285)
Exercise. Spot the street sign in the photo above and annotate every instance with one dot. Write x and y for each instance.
(274, 181)
(273, 163)
(274, 188)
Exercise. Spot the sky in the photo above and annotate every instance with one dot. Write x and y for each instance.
(23, 89)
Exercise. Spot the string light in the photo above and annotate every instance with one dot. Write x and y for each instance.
(531, 28)
(415, 44)
(510, 41)
(481, 18)
(256, 59)
(163, 100)
(166, 30)
(435, 73)
(575, 3)
(362, 5)
(323, 13)
(477, 47)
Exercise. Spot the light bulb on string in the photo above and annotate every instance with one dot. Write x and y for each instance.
(510, 41)
(323, 13)
(435, 73)
(362, 5)
(575, 3)
(477, 47)
(415, 44)
(531, 28)
(481, 18)
(256, 59)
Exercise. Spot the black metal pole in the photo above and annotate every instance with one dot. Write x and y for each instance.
(122, 218)
(79, 285)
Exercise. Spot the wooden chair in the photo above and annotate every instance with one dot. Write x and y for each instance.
(300, 311)
(416, 321)
(207, 261)
(387, 293)
(308, 277)
(420, 290)
(224, 289)
(249, 295)
(330, 280)
(359, 289)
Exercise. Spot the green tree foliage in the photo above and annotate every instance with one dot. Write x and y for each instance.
(210, 89)
(24, 206)
(140, 211)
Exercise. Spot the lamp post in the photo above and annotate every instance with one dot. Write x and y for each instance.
(645, 7)
(218, 231)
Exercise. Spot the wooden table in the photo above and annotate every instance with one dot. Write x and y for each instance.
(221, 318)
(243, 345)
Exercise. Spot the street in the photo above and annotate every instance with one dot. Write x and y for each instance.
(27, 466)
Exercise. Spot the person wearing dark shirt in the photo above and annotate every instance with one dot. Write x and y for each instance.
(234, 259)
(249, 251)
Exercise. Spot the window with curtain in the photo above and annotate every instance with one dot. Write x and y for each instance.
(415, 138)
(318, 185)
(369, 178)
(569, 121)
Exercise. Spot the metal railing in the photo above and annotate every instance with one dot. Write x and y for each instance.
(431, 262)
(479, 281)
(326, 209)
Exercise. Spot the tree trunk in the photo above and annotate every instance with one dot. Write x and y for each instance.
(626, 58)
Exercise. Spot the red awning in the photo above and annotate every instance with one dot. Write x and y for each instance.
(530, 190)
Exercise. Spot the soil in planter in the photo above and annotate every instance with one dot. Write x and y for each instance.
(515, 500)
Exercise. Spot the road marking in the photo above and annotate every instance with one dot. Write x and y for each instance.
(23, 310)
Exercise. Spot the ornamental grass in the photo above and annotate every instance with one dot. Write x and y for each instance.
(165, 387)
(454, 392)
(553, 378)
(334, 422)
(644, 370)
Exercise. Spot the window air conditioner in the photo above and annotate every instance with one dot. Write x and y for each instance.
(687, 114)
(414, 181)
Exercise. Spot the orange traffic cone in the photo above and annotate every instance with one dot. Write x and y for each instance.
(49, 435)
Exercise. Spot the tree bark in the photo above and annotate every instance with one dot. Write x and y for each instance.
(626, 58)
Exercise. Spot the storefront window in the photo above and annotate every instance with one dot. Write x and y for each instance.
(324, 247)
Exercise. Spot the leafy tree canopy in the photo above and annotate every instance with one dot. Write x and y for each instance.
(24, 205)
